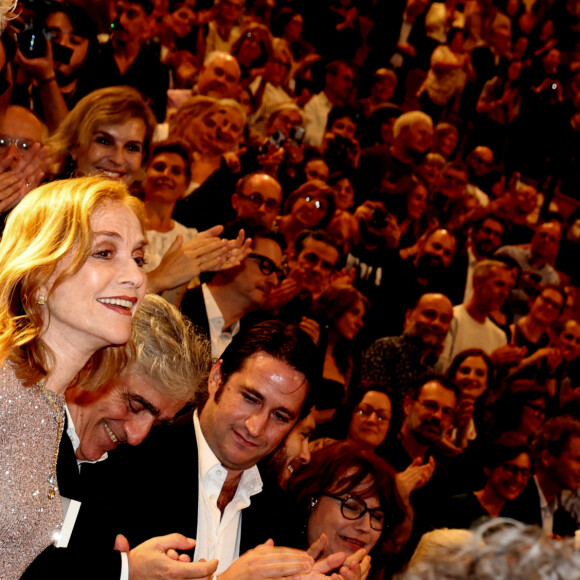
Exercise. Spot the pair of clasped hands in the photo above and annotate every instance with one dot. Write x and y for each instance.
(159, 558)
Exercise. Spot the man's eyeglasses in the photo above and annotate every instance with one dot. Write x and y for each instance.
(353, 508)
(514, 470)
(433, 407)
(267, 267)
(21, 143)
(257, 200)
(367, 412)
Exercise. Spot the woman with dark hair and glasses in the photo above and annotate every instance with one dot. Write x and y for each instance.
(363, 419)
(507, 466)
(350, 495)
(310, 207)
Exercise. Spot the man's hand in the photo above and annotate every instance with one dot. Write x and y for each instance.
(206, 252)
(311, 328)
(414, 477)
(508, 355)
(22, 177)
(268, 561)
(158, 558)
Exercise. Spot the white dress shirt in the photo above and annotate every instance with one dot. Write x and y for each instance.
(218, 536)
(219, 337)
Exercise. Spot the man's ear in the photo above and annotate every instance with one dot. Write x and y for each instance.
(215, 379)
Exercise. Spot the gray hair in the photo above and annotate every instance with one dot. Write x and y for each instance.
(501, 549)
(165, 347)
(409, 119)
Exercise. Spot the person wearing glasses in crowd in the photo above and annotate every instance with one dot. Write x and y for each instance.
(218, 306)
(23, 158)
(364, 418)
(257, 200)
(429, 413)
(556, 454)
(350, 495)
(311, 207)
(507, 465)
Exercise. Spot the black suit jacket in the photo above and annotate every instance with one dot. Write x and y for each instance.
(152, 490)
(526, 508)
(143, 492)
(79, 560)
(193, 306)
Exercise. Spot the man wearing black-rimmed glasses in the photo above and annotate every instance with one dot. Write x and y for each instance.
(258, 199)
(218, 306)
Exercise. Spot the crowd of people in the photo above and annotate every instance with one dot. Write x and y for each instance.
(288, 288)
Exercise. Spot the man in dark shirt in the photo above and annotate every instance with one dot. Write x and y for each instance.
(125, 60)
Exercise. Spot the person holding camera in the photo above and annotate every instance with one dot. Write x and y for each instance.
(340, 147)
(56, 51)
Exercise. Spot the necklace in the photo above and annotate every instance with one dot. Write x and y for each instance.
(59, 418)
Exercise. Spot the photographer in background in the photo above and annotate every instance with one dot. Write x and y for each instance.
(57, 48)
(340, 147)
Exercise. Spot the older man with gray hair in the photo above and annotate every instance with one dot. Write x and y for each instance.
(382, 167)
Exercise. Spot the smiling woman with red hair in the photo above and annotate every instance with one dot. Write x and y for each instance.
(351, 496)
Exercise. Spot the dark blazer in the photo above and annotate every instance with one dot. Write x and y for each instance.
(98, 562)
(152, 490)
(526, 508)
(143, 492)
(193, 306)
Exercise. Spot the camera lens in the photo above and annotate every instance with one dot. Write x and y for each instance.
(32, 43)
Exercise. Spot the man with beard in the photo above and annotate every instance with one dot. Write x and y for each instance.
(471, 326)
(479, 168)
(429, 413)
(430, 271)
(293, 452)
(556, 450)
(399, 361)
(486, 237)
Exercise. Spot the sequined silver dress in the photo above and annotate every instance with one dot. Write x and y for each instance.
(28, 439)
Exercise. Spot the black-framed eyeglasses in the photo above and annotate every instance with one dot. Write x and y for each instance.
(267, 267)
(514, 470)
(368, 411)
(353, 507)
(21, 143)
(433, 407)
(257, 200)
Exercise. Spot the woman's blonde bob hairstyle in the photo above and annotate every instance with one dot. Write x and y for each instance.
(108, 106)
(49, 234)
